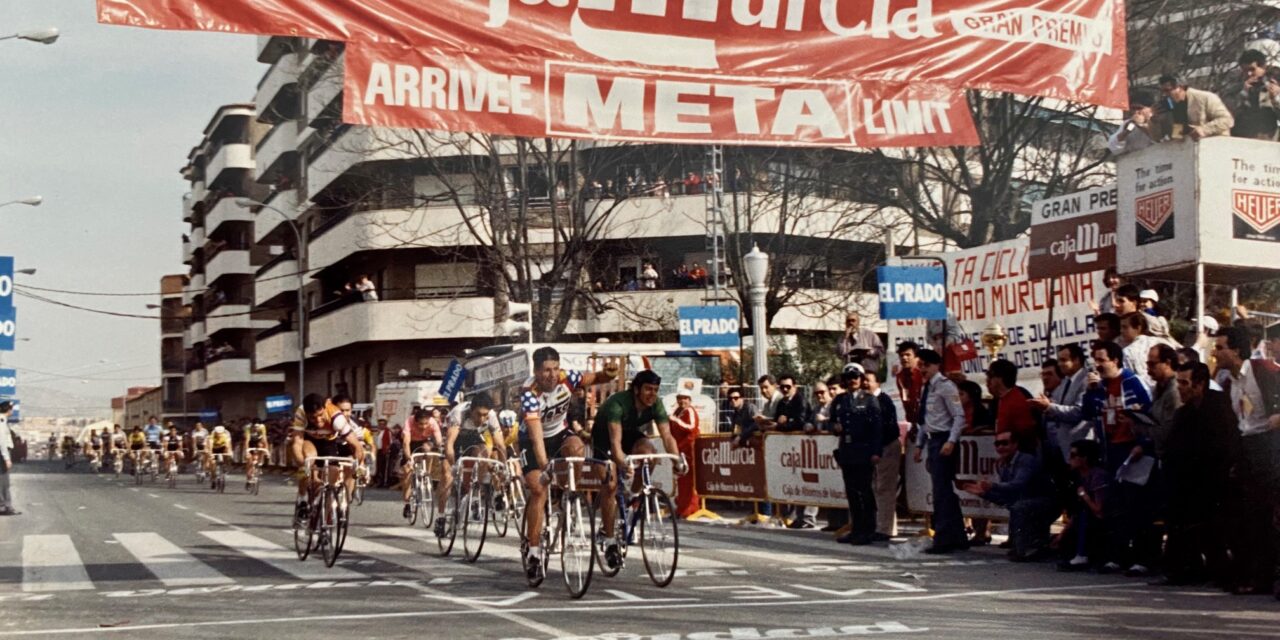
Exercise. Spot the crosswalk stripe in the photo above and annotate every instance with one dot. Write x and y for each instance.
(417, 561)
(173, 566)
(278, 557)
(51, 563)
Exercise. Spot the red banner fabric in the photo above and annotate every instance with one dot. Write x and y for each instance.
(390, 85)
(1069, 49)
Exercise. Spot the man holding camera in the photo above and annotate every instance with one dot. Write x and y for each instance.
(1136, 133)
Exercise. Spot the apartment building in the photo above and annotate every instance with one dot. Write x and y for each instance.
(220, 380)
(174, 317)
(407, 249)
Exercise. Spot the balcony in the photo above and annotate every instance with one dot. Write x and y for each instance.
(188, 251)
(268, 225)
(197, 333)
(353, 146)
(228, 262)
(278, 85)
(276, 150)
(275, 348)
(229, 157)
(275, 281)
(188, 202)
(440, 319)
(195, 287)
(196, 380)
(224, 211)
(325, 89)
(229, 317)
(236, 369)
(271, 48)
(391, 229)
(198, 192)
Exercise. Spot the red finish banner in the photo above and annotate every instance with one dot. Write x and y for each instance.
(390, 85)
(1069, 49)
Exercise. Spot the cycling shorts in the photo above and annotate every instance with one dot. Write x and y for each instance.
(257, 443)
(154, 446)
(137, 447)
(465, 441)
(600, 450)
(221, 450)
(529, 460)
(325, 447)
(97, 447)
(419, 446)
(174, 446)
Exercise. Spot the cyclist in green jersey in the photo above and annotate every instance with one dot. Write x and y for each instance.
(620, 430)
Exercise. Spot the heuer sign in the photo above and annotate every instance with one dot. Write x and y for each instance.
(802, 470)
(1074, 233)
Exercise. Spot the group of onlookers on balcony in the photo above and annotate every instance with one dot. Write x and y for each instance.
(1185, 112)
(650, 279)
(361, 289)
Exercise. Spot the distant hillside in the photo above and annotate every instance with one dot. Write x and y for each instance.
(54, 403)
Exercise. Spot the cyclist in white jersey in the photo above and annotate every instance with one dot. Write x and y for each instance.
(466, 425)
(544, 432)
(198, 437)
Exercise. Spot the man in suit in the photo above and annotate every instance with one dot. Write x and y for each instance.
(1061, 408)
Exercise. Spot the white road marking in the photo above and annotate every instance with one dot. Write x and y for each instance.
(594, 606)
(278, 557)
(218, 521)
(173, 566)
(414, 560)
(51, 563)
(180, 506)
(153, 495)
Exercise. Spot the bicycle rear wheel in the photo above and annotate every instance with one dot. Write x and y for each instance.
(415, 500)
(518, 504)
(304, 530)
(429, 497)
(577, 543)
(344, 519)
(451, 510)
(659, 539)
(500, 518)
(475, 521)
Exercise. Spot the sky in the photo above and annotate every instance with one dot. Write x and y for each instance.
(99, 124)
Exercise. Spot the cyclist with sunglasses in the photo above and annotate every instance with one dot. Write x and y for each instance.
(545, 434)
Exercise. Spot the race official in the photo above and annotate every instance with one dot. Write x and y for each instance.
(941, 420)
(856, 416)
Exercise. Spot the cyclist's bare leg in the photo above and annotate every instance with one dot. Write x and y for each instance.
(537, 491)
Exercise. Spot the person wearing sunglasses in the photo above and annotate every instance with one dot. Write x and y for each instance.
(1026, 490)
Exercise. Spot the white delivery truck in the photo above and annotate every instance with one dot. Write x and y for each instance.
(395, 401)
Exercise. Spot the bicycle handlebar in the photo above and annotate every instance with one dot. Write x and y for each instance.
(260, 449)
(326, 461)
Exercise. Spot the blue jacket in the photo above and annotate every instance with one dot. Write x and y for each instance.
(859, 417)
(1023, 478)
(1135, 396)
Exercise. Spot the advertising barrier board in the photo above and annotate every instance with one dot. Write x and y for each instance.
(977, 462)
(725, 471)
(802, 469)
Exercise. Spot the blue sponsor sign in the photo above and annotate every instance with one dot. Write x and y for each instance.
(6, 282)
(454, 374)
(8, 328)
(714, 327)
(8, 383)
(279, 404)
(208, 415)
(909, 293)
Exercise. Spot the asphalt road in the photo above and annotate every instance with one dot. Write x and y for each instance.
(96, 557)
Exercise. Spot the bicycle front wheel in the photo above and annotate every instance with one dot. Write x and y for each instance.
(500, 517)
(659, 539)
(415, 500)
(304, 530)
(577, 543)
(450, 514)
(475, 521)
(619, 536)
(329, 544)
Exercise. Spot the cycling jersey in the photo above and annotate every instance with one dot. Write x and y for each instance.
(220, 441)
(424, 433)
(198, 436)
(117, 439)
(256, 433)
(96, 442)
(551, 406)
(333, 426)
(172, 443)
(621, 408)
(470, 434)
(137, 438)
(153, 433)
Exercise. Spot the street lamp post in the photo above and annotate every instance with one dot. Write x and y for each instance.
(33, 201)
(300, 247)
(43, 36)
(756, 264)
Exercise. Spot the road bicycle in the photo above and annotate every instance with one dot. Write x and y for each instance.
(95, 462)
(364, 471)
(649, 513)
(568, 526)
(473, 485)
(141, 465)
(200, 468)
(325, 525)
(218, 477)
(171, 471)
(509, 498)
(253, 472)
(69, 458)
(423, 489)
(117, 463)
